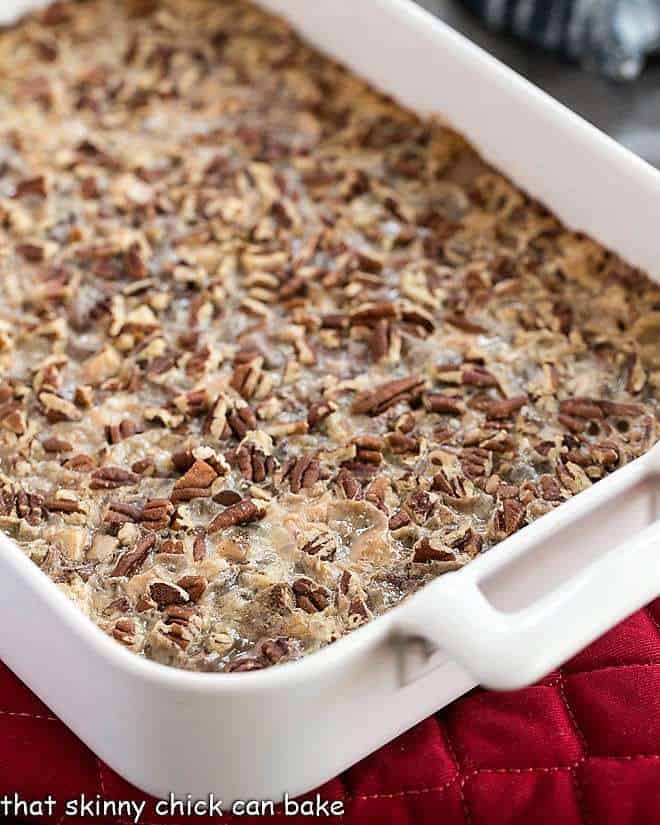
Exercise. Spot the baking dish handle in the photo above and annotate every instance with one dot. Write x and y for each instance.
(507, 650)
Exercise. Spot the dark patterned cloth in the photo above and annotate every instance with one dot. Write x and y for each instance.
(612, 36)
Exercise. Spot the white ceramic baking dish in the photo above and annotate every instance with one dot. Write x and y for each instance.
(506, 619)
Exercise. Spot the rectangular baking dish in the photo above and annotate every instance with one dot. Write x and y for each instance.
(509, 617)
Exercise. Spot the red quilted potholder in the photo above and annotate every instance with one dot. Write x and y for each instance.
(581, 746)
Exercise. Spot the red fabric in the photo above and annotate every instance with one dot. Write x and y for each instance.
(582, 747)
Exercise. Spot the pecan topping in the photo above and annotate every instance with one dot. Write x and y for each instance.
(311, 309)
(31, 186)
(243, 512)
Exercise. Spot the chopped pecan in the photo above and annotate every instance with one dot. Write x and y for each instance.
(246, 377)
(507, 519)
(156, 513)
(57, 504)
(448, 405)
(125, 631)
(194, 586)
(476, 462)
(476, 376)
(241, 421)
(274, 650)
(319, 412)
(244, 512)
(453, 487)
(622, 410)
(505, 407)
(400, 444)
(349, 484)
(376, 401)
(199, 547)
(31, 252)
(131, 560)
(419, 506)
(369, 449)
(550, 489)
(56, 445)
(227, 497)
(196, 483)
(572, 424)
(31, 186)
(424, 551)
(58, 409)
(383, 342)
(165, 594)
(309, 596)
(109, 478)
(371, 314)
(399, 520)
(254, 464)
(322, 546)
(80, 463)
(581, 408)
(302, 472)
(171, 547)
(115, 433)
(119, 512)
(30, 506)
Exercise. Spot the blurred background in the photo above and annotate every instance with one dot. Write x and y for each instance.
(628, 111)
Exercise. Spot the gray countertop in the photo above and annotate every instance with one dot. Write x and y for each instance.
(628, 112)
